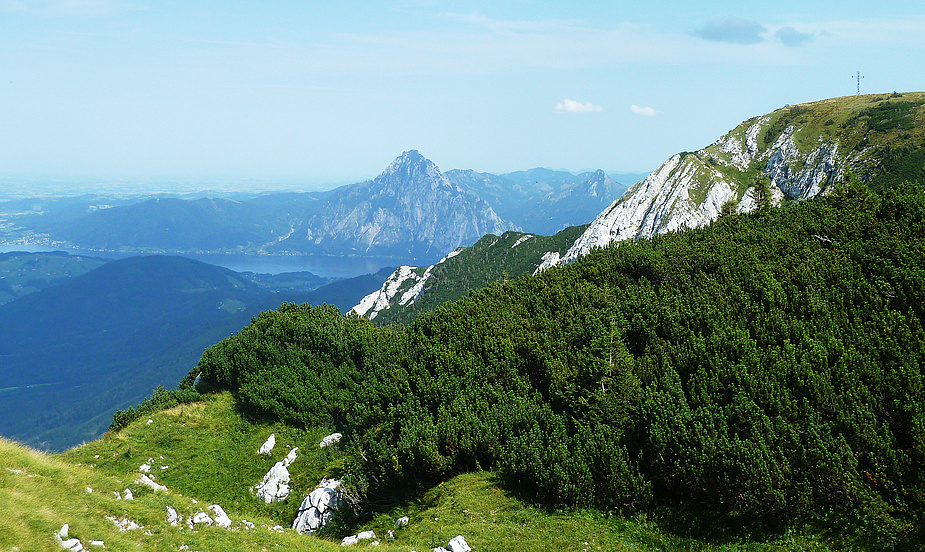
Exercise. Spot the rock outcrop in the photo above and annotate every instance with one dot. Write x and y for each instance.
(275, 484)
(318, 507)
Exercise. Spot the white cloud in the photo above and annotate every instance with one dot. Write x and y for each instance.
(644, 111)
(571, 106)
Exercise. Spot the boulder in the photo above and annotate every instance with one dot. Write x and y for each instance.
(149, 482)
(129, 495)
(318, 507)
(172, 517)
(458, 544)
(221, 518)
(267, 447)
(349, 540)
(73, 544)
(330, 440)
(275, 484)
(200, 518)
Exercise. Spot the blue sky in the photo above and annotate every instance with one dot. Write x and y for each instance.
(311, 93)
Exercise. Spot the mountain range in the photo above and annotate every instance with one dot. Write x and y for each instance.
(410, 211)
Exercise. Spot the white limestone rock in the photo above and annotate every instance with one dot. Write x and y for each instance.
(149, 482)
(172, 517)
(221, 518)
(129, 495)
(458, 544)
(402, 522)
(318, 507)
(124, 524)
(200, 519)
(349, 540)
(330, 440)
(275, 484)
(73, 544)
(267, 447)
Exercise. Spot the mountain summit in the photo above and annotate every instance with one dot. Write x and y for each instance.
(411, 209)
(801, 151)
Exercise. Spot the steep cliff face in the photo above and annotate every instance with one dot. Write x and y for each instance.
(410, 209)
(802, 150)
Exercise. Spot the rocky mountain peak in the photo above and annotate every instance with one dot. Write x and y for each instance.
(414, 170)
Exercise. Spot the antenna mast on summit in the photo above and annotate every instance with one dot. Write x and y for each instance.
(859, 76)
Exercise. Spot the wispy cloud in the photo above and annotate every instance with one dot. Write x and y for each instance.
(733, 30)
(788, 36)
(571, 106)
(644, 111)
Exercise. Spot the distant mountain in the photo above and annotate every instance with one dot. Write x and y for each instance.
(72, 353)
(542, 200)
(176, 225)
(23, 273)
(410, 210)
(409, 291)
(801, 150)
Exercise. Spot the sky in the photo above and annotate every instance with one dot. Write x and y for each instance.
(312, 94)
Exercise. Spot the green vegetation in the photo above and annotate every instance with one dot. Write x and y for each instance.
(210, 451)
(492, 258)
(25, 273)
(748, 377)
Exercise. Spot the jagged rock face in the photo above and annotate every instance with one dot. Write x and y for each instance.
(409, 209)
(689, 189)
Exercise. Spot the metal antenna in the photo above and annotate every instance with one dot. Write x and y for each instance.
(859, 76)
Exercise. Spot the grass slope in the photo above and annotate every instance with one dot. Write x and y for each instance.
(211, 456)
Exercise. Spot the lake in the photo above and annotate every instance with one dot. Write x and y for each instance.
(328, 266)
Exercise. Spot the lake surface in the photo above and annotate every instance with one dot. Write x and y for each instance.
(328, 266)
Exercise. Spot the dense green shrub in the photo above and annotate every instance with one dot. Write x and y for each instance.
(763, 366)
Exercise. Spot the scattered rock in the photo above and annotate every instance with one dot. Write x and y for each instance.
(73, 544)
(62, 533)
(267, 447)
(458, 544)
(129, 495)
(391, 535)
(89, 489)
(331, 439)
(277, 528)
(366, 535)
(97, 543)
(348, 541)
(275, 484)
(221, 518)
(200, 518)
(374, 543)
(124, 524)
(172, 517)
(247, 524)
(149, 422)
(401, 522)
(149, 482)
(145, 468)
(318, 507)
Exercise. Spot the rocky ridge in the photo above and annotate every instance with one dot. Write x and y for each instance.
(802, 150)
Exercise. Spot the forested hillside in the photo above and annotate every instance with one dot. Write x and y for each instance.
(765, 370)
